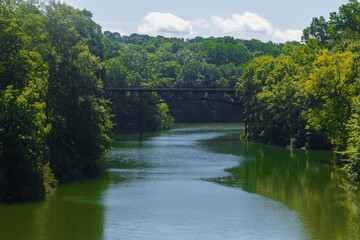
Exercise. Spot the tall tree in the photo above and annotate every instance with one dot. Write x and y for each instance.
(353, 142)
(76, 108)
(24, 173)
(332, 86)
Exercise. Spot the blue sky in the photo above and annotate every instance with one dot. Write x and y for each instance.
(266, 20)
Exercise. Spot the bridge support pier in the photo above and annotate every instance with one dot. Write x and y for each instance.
(193, 96)
(141, 120)
(141, 123)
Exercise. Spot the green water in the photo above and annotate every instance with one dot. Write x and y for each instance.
(303, 180)
(174, 186)
(73, 211)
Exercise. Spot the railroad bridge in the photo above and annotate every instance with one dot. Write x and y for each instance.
(164, 95)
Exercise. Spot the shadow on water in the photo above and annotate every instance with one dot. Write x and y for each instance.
(157, 192)
(157, 185)
(300, 179)
(73, 211)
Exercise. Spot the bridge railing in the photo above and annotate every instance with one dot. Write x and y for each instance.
(147, 89)
(140, 104)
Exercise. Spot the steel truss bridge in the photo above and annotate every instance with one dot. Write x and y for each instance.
(140, 97)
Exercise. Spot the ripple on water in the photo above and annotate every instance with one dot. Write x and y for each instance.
(169, 199)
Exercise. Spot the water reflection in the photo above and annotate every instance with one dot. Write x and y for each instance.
(303, 180)
(158, 192)
(72, 212)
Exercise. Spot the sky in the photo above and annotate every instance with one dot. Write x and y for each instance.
(266, 20)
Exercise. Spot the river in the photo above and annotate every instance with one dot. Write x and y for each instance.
(196, 181)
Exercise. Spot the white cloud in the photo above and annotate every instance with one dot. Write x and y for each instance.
(252, 23)
(201, 23)
(288, 35)
(247, 22)
(156, 22)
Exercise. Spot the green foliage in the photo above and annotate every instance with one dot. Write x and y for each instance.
(171, 62)
(23, 127)
(341, 26)
(319, 31)
(50, 96)
(251, 83)
(353, 142)
(22, 139)
(166, 121)
(116, 72)
(309, 96)
(76, 108)
(224, 53)
(347, 21)
(271, 92)
(281, 104)
(332, 86)
(54, 61)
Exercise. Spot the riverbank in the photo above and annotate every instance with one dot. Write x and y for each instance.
(174, 186)
(304, 180)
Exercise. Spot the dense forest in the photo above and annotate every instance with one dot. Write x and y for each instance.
(140, 60)
(309, 95)
(56, 117)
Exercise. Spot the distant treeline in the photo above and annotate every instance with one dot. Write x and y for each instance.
(141, 60)
(55, 117)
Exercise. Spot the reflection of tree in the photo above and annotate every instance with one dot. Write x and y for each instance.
(71, 212)
(303, 180)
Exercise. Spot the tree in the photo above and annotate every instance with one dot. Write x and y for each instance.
(224, 53)
(271, 92)
(281, 103)
(251, 83)
(341, 26)
(332, 85)
(346, 23)
(319, 30)
(116, 72)
(24, 172)
(116, 37)
(353, 142)
(76, 108)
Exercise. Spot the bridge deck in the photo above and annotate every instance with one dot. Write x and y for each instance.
(170, 90)
(142, 89)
